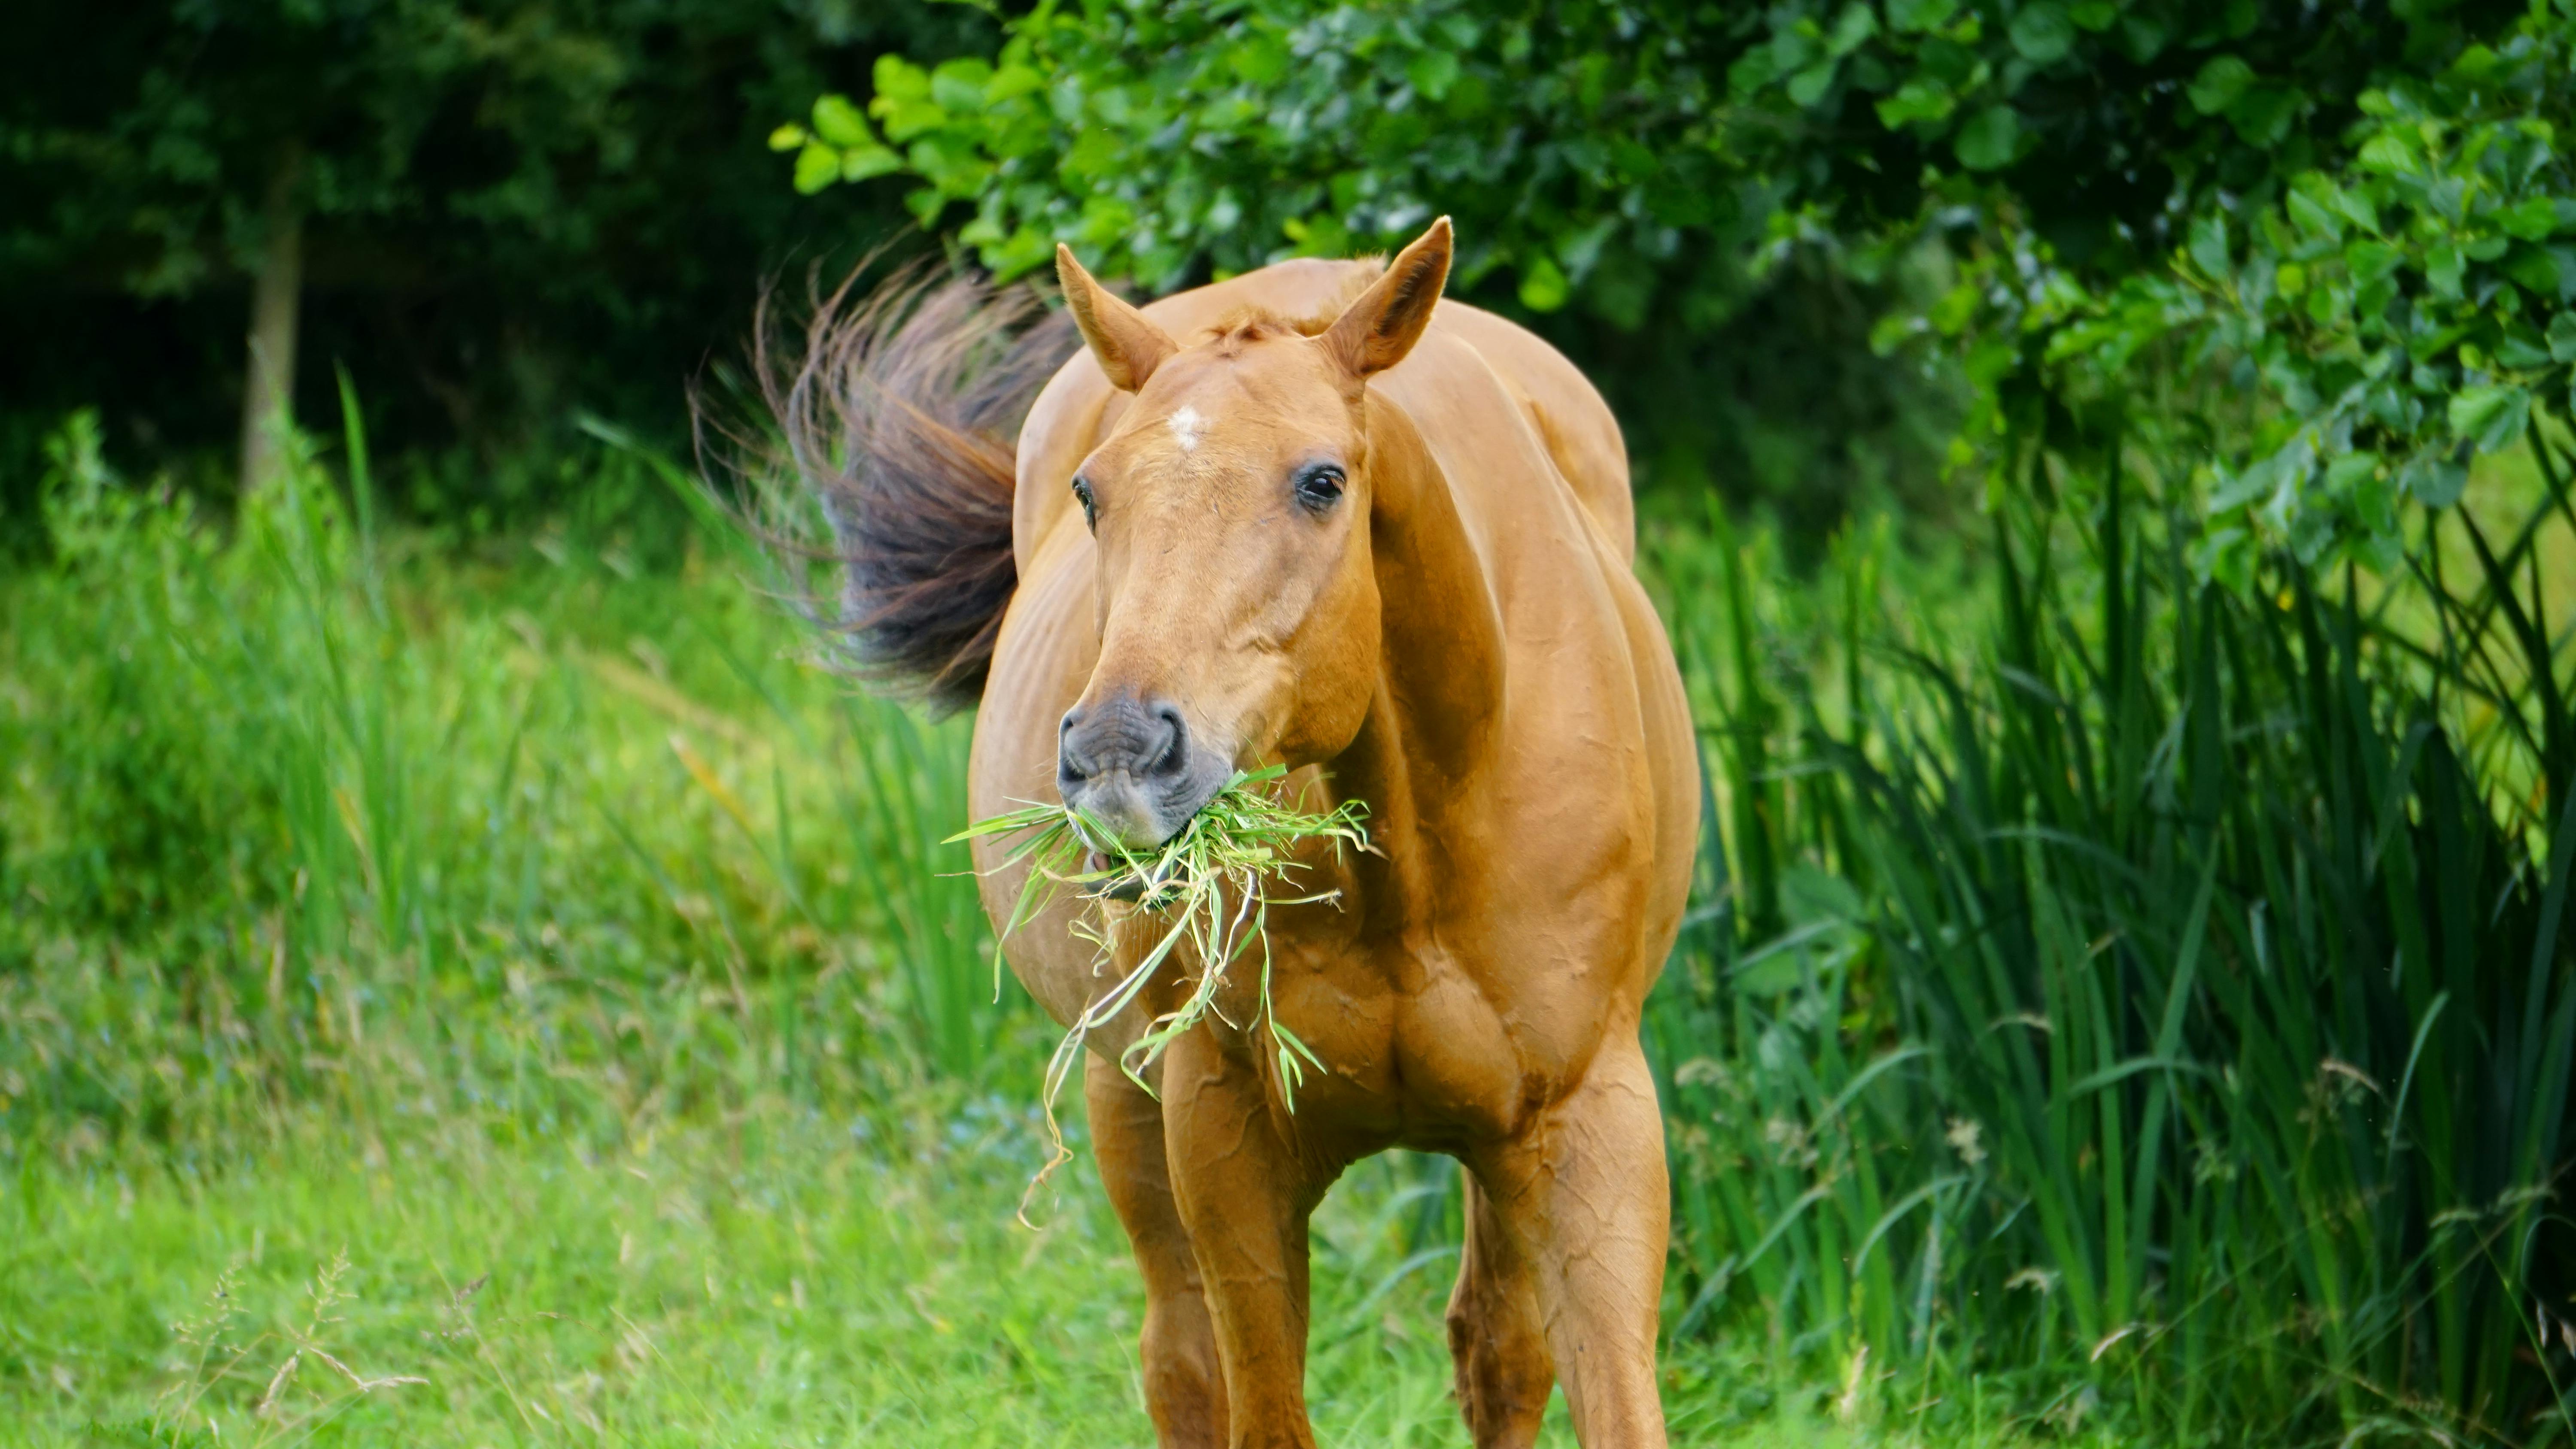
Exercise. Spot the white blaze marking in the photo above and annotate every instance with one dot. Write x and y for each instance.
(1187, 427)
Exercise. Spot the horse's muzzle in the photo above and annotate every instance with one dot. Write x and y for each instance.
(1131, 764)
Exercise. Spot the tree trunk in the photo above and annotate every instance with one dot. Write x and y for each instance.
(268, 392)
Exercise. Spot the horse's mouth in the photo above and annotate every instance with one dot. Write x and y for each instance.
(1130, 884)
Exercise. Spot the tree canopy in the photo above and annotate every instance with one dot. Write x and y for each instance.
(511, 208)
(2361, 211)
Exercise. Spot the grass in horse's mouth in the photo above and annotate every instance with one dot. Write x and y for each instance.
(1211, 882)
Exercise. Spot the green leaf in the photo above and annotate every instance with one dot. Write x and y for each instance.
(1809, 86)
(2531, 219)
(2313, 218)
(1259, 59)
(1921, 98)
(2370, 260)
(1856, 24)
(2389, 154)
(1918, 16)
(899, 79)
(2349, 471)
(1433, 72)
(817, 166)
(2208, 247)
(2443, 268)
(2043, 34)
(787, 137)
(2278, 477)
(2562, 337)
(861, 162)
(2262, 115)
(1543, 286)
(2548, 272)
(2093, 14)
(2433, 482)
(2219, 83)
(840, 124)
(958, 85)
(1989, 138)
(2522, 350)
(2491, 417)
(1012, 81)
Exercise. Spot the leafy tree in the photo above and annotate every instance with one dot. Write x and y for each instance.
(505, 208)
(2403, 306)
(1586, 150)
(1654, 164)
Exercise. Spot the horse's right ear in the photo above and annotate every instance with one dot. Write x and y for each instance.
(1127, 343)
(1376, 331)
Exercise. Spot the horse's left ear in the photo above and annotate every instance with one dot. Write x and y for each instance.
(1127, 343)
(1375, 332)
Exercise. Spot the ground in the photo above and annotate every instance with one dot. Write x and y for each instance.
(778, 1279)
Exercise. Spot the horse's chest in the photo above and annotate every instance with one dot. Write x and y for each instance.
(1416, 1045)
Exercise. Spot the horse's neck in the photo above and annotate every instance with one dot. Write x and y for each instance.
(1421, 758)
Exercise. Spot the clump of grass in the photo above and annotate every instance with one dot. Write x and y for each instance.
(1211, 883)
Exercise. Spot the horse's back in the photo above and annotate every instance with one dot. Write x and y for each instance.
(1563, 408)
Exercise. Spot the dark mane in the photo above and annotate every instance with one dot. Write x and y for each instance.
(901, 414)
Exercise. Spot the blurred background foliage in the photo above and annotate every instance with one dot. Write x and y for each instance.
(507, 211)
(2359, 218)
(512, 210)
(2105, 469)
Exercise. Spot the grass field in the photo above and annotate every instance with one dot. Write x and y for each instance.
(771, 1279)
(525, 969)
(530, 975)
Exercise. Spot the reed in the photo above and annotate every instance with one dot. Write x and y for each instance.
(2148, 996)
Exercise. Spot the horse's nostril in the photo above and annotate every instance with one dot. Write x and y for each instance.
(1071, 768)
(1174, 753)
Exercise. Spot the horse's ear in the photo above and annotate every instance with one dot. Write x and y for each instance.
(1126, 341)
(1375, 332)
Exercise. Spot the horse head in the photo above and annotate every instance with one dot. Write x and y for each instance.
(1230, 509)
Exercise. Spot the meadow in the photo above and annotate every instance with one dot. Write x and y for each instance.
(519, 993)
(523, 996)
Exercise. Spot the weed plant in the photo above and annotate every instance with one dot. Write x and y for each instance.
(2151, 1003)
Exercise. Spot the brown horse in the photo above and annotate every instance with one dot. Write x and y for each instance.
(1314, 516)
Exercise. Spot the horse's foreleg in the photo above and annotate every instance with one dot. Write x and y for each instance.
(1496, 1336)
(1245, 1196)
(1184, 1388)
(1585, 1192)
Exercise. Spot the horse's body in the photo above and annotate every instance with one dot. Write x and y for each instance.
(1459, 643)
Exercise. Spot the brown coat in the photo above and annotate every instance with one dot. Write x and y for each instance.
(1385, 540)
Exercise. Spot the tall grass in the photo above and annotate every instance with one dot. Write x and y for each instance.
(2147, 997)
(2109, 1004)
(274, 783)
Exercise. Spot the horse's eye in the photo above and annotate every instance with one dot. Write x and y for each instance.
(1090, 511)
(1320, 487)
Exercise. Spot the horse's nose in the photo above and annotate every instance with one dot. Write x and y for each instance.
(1124, 734)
